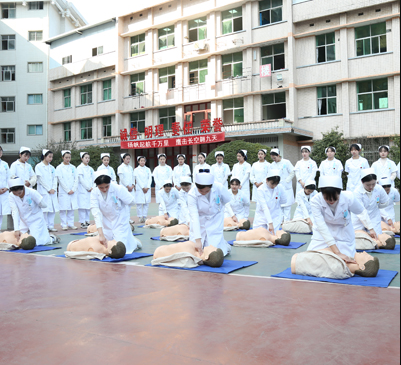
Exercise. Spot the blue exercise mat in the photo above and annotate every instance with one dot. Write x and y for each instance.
(382, 280)
(228, 267)
(158, 239)
(84, 233)
(396, 251)
(291, 246)
(127, 257)
(36, 249)
(397, 236)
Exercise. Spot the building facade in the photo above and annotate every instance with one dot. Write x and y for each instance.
(24, 25)
(332, 64)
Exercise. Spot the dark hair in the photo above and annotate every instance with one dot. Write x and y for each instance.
(162, 155)
(310, 187)
(273, 154)
(25, 152)
(181, 155)
(118, 251)
(305, 149)
(387, 150)
(1, 148)
(371, 269)
(216, 259)
(331, 149)
(123, 158)
(168, 185)
(201, 187)
(331, 193)
(235, 181)
(104, 179)
(369, 178)
(17, 188)
(185, 184)
(386, 186)
(105, 157)
(140, 158)
(45, 155)
(274, 179)
(219, 155)
(86, 153)
(242, 154)
(67, 153)
(354, 145)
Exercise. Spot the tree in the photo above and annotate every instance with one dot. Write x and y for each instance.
(395, 155)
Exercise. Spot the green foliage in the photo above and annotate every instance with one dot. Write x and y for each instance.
(395, 156)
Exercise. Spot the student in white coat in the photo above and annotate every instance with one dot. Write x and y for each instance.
(305, 169)
(111, 206)
(331, 166)
(287, 174)
(169, 201)
(4, 176)
(47, 187)
(398, 171)
(271, 196)
(143, 178)
(242, 172)
(373, 197)
(333, 228)
(206, 203)
(23, 169)
(182, 169)
(239, 203)
(85, 187)
(258, 173)
(385, 167)
(186, 186)
(126, 174)
(220, 170)
(67, 177)
(105, 157)
(388, 213)
(355, 166)
(202, 165)
(161, 173)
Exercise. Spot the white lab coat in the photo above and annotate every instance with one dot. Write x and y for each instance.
(47, 181)
(179, 172)
(198, 167)
(258, 175)
(389, 212)
(161, 174)
(398, 171)
(143, 178)
(335, 228)
(373, 202)
(305, 170)
(355, 169)
(184, 211)
(4, 176)
(110, 170)
(169, 203)
(221, 173)
(67, 177)
(331, 168)
(85, 183)
(24, 171)
(127, 177)
(287, 174)
(243, 174)
(207, 216)
(268, 208)
(28, 210)
(239, 205)
(112, 213)
(385, 170)
(304, 209)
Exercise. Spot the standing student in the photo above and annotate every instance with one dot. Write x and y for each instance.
(202, 165)
(126, 174)
(85, 187)
(23, 169)
(388, 213)
(161, 173)
(4, 177)
(186, 186)
(239, 203)
(47, 187)
(331, 166)
(303, 199)
(67, 177)
(143, 178)
(105, 157)
(355, 166)
(305, 169)
(258, 173)
(220, 170)
(242, 172)
(182, 169)
(287, 174)
(169, 199)
(385, 167)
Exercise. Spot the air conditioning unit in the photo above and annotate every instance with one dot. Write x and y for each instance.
(200, 46)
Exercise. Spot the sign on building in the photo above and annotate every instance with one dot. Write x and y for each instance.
(266, 70)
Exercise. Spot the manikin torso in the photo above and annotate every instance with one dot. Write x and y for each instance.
(179, 230)
(189, 247)
(91, 244)
(160, 220)
(9, 237)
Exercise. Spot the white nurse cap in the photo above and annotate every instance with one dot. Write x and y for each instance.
(124, 154)
(168, 181)
(385, 181)
(310, 182)
(186, 179)
(307, 148)
(64, 152)
(273, 173)
(15, 181)
(82, 154)
(99, 173)
(203, 154)
(161, 155)
(275, 150)
(44, 152)
(24, 149)
(181, 155)
(245, 152)
(335, 149)
(263, 150)
(219, 153)
(104, 155)
(139, 157)
(204, 178)
(386, 146)
(367, 172)
(331, 182)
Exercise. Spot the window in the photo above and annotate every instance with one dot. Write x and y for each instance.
(137, 45)
(35, 130)
(67, 98)
(167, 75)
(197, 29)
(7, 104)
(67, 132)
(233, 111)
(325, 47)
(371, 39)
(86, 129)
(107, 127)
(167, 117)
(274, 106)
(86, 94)
(372, 94)
(7, 42)
(34, 99)
(97, 51)
(35, 5)
(327, 100)
(34, 67)
(107, 90)
(270, 11)
(137, 84)
(7, 73)
(66, 60)
(274, 55)
(8, 11)
(232, 65)
(36, 35)
(232, 20)
(166, 37)
(138, 121)
(198, 72)
(7, 135)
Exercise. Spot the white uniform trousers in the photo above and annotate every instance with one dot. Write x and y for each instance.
(49, 219)
(142, 210)
(83, 215)
(67, 218)
(286, 213)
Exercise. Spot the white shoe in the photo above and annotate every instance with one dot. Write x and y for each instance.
(84, 226)
(64, 228)
(139, 246)
(131, 222)
(72, 227)
(53, 230)
(56, 239)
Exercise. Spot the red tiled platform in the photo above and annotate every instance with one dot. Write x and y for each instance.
(61, 312)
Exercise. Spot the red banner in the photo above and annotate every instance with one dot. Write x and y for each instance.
(174, 142)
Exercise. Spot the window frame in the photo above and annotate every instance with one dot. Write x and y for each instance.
(36, 33)
(87, 128)
(138, 121)
(170, 77)
(66, 60)
(6, 132)
(3, 8)
(197, 28)
(232, 64)
(372, 92)
(8, 42)
(36, 130)
(87, 94)
(67, 98)
(371, 39)
(232, 19)
(275, 102)
(107, 127)
(39, 3)
(234, 108)
(196, 79)
(34, 97)
(107, 90)
(5, 71)
(168, 119)
(273, 56)
(140, 43)
(140, 79)
(97, 51)
(270, 9)
(326, 46)
(35, 63)
(326, 98)
(168, 36)
(67, 129)
(6, 102)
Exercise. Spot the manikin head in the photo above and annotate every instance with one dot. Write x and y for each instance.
(181, 160)
(162, 159)
(85, 158)
(369, 182)
(262, 155)
(142, 161)
(126, 158)
(272, 182)
(103, 183)
(202, 158)
(212, 256)
(118, 251)
(331, 152)
(368, 265)
(66, 158)
(186, 186)
(384, 151)
(106, 160)
(24, 156)
(241, 156)
(28, 243)
(309, 189)
(305, 153)
(235, 184)
(355, 150)
(167, 187)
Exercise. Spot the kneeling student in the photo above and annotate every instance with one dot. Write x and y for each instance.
(169, 199)
(239, 205)
(186, 186)
(388, 213)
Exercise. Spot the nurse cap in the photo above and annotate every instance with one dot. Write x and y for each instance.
(204, 178)
(306, 147)
(181, 155)
(24, 149)
(64, 152)
(44, 151)
(15, 181)
(104, 155)
(367, 172)
(310, 182)
(161, 154)
(101, 173)
(385, 181)
(82, 154)
(275, 150)
(168, 181)
(203, 154)
(335, 149)
(273, 173)
(139, 157)
(357, 144)
(331, 182)
(388, 147)
(245, 152)
(186, 179)
(123, 154)
(263, 150)
(219, 153)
